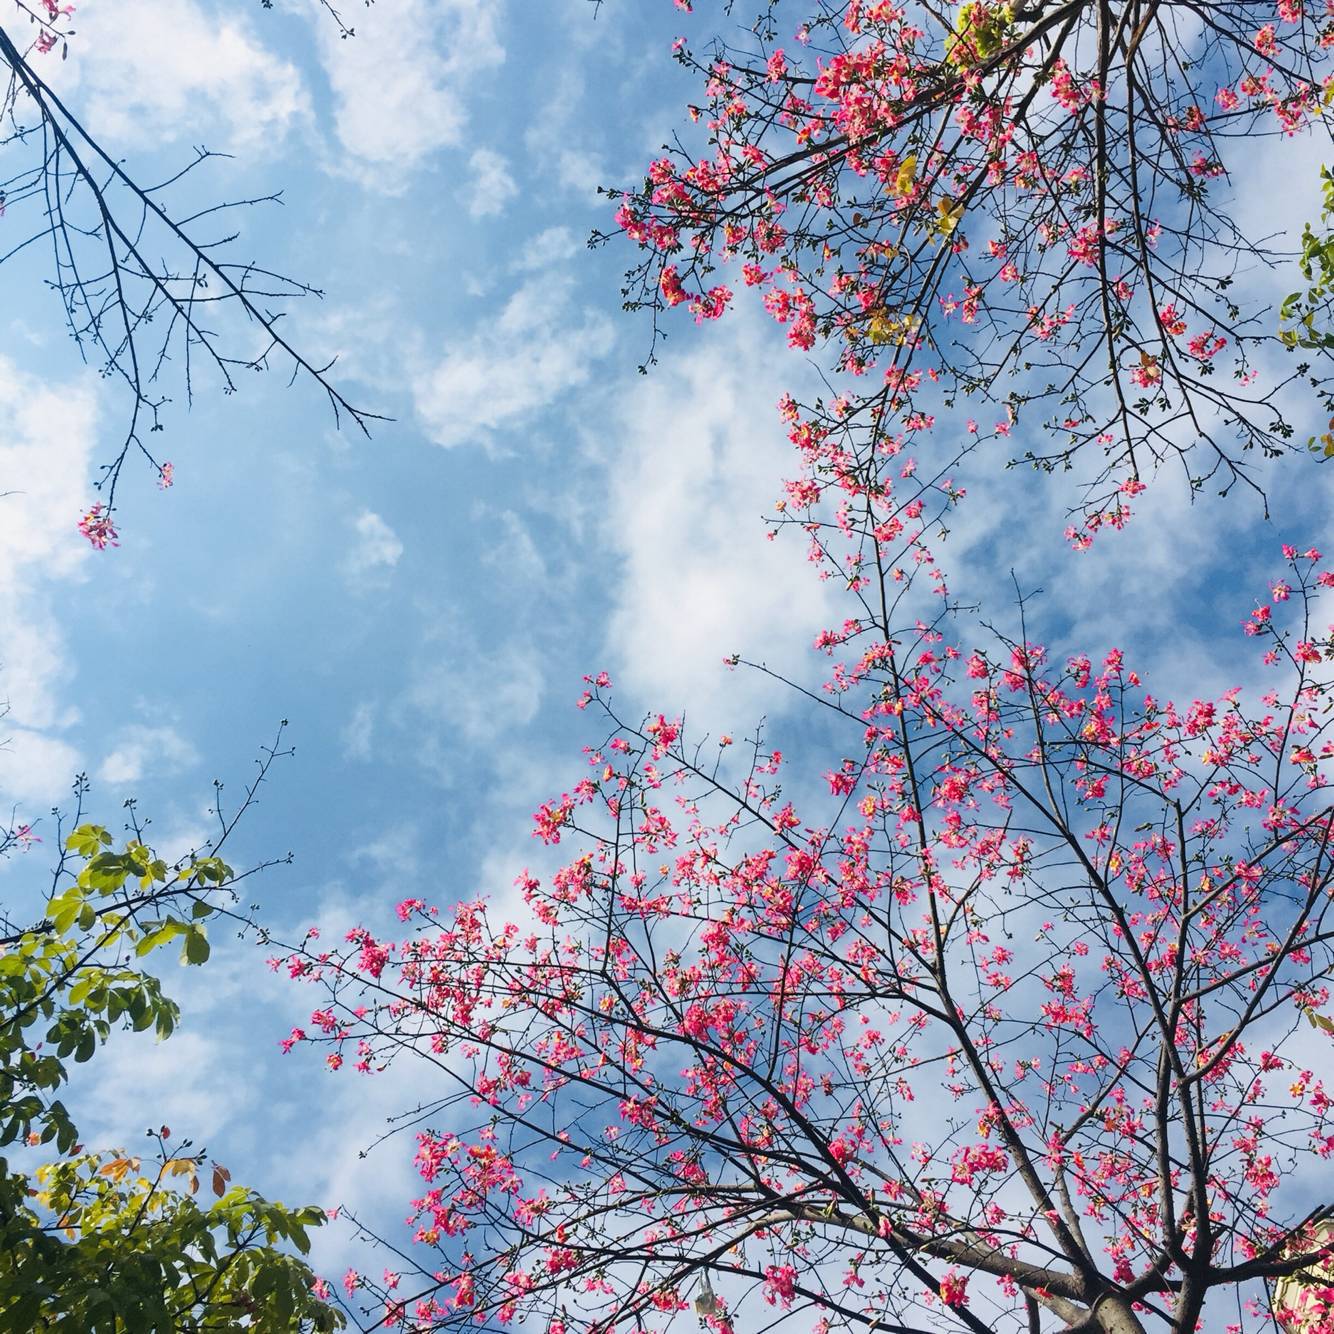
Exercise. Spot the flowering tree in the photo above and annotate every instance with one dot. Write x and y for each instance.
(1006, 1007)
(149, 279)
(1028, 204)
(1009, 1030)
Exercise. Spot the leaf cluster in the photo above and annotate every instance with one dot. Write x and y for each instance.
(1305, 316)
(110, 1240)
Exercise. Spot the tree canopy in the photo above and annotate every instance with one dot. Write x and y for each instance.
(992, 995)
(121, 1239)
(997, 1013)
(1038, 206)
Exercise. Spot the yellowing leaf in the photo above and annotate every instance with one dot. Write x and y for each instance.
(886, 328)
(118, 1167)
(949, 214)
(903, 182)
(186, 1167)
(979, 32)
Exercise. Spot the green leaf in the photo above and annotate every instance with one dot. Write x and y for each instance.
(160, 934)
(196, 949)
(87, 839)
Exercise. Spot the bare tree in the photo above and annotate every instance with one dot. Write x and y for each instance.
(154, 288)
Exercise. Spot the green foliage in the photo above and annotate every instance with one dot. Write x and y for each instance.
(112, 1241)
(1304, 318)
(108, 1242)
(980, 32)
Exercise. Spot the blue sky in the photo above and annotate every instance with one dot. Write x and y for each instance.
(421, 606)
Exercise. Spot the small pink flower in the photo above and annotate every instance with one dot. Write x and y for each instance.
(97, 527)
(954, 1288)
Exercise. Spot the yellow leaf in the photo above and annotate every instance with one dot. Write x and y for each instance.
(117, 1168)
(979, 32)
(1320, 1021)
(886, 328)
(178, 1167)
(903, 182)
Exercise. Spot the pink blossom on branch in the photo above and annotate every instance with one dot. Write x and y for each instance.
(917, 1046)
(97, 527)
(913, 153)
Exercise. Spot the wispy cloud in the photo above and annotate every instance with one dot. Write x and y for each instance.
(550, 246)
(161, 750)
(400, 85)
(490, 185)
(44, 467)
(694, 455)
(535, 352)
(558, 140)
(359, 731)
(470, 700)
(186, 71)
(375, 548)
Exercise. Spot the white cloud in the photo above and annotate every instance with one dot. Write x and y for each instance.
(391, 855)
(514, 556)
(580, 172)
(188, 835)
(210, 1078)
(140, 748)
(138, 1081)
(34, 663)
(35, 769)
(556, 146)
(45, 456)
(536, 351)
(377, 546)
(183, 70)
(399, 84)
(547, 248)
(699, 451)
(490, 187)
(448, 708)
(359, 731)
